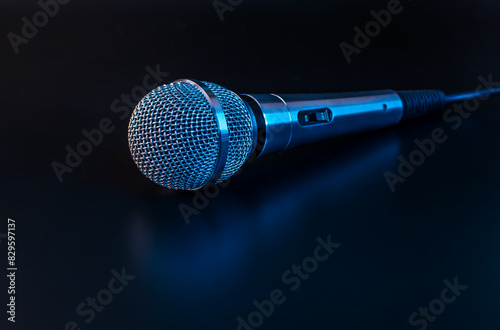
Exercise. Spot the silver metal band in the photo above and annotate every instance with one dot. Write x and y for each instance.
(222, 125)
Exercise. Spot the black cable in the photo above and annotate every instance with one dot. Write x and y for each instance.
(418, 103)
(472, 94)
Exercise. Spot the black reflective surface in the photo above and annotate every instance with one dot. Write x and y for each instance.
(397, 248)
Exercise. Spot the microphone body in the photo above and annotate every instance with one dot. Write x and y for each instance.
(189, 134)
(291, 120)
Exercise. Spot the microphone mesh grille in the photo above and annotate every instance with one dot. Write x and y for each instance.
(174, 138)
(239, 124)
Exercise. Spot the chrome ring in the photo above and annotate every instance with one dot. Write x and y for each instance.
(221, 124)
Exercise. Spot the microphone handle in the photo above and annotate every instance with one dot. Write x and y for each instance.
(290, 120)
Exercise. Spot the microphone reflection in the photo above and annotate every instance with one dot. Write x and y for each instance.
(217, 251)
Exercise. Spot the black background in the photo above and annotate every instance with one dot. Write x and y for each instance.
(397, 248)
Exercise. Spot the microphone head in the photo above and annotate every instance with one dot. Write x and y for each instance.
(188, 134)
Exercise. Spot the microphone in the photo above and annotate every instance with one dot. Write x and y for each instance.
(189, 134)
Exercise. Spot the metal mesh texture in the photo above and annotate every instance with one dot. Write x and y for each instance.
(239, 124)
(174, 138)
